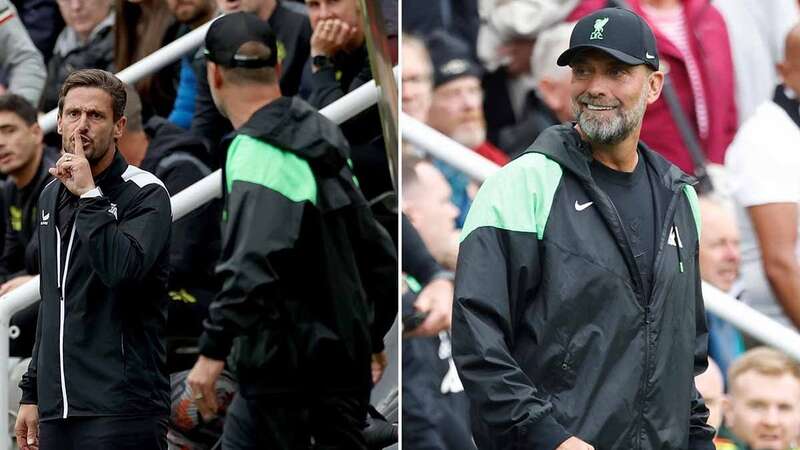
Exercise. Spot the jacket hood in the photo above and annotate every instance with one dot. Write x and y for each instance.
(293, 125)
(563, 144)
(167, 138)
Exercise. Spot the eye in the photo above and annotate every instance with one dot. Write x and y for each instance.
(73, 114)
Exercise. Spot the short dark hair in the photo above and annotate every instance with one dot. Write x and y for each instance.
(19, 106)
(100, 79)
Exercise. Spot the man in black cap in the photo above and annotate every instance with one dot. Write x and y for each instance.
(578, 321)
(302, 262)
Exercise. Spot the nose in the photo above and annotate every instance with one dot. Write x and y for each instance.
(732, 251)
(597, 86)
(324, 11)
(83, 122)
(771, 416)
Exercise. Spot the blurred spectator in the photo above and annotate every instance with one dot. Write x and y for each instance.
(290, 23)
(25, 161)
(176, 157)
(87, 42)
(190, 14)
(142, 27)
(19, 57)
(693, 47)
(550, 103)
(763, 169)
(338, 64)
(719, 266)
(762, 411)
(426, 203)
(711, 386)
(457, 109)
(43, 21)
(435, 407)
(756, 52)
(417, 80)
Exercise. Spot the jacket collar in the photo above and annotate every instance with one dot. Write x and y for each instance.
(112, 176)
(564, 145)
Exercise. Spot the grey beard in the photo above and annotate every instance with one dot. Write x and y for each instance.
(609, 132)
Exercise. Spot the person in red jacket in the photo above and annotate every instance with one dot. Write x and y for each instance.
(692, 40)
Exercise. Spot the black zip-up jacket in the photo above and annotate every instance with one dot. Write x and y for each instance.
(553, 336)
(304, 264)
(22, 221)
(99, 340)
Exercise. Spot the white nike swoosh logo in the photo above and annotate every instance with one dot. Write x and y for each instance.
(45, 216)
(582, 206)
(648, 55)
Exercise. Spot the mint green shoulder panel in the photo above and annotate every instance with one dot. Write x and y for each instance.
(517, 197)
(254, 161)
(691, 194)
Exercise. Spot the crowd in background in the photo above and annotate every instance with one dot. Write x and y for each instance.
(173, 130)
(484, 73)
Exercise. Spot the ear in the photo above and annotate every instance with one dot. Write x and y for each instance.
(278, 70)
(58, 124)
(655, 83)
(36, 130)
(119, 127)
(214, 75)
(782, 69)
(727, 415)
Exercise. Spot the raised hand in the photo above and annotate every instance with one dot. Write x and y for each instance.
(73, 169)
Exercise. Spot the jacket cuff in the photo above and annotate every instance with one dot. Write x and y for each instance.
(546, 433)
(214, 347)
(29, 396)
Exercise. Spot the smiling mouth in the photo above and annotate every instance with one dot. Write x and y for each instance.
(591, 107)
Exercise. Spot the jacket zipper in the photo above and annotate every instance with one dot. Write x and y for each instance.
(61, 283)
(669, 224)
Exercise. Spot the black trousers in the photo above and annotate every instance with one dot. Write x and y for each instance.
(332, 423)
(104, 433)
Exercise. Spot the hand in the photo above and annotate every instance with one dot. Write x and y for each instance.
(379, 363)
(331, 36)
(201, 380)
(518, 52)
(27, 427)
(574, 443)
(437, 300)
(73, 169)
(14, 283)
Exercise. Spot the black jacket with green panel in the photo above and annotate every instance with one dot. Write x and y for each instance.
(553, 335)
(309, 278)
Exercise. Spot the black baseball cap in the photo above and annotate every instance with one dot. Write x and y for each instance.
(451, 58)
(227, 34)
(620, 33)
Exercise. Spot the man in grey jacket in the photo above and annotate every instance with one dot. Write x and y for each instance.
(19, 58)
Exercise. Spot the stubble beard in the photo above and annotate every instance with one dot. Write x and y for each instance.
(603, 131)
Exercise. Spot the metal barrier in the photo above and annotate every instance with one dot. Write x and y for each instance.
(728, 308)
(183, 202)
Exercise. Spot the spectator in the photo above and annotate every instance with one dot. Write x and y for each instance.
(43, 21)
(338, 64)
(176, 157)
(19, 57)
(87, 42)
(289, 180)
(764, 183)
(457, 109)
(417, 74)
(762, 411)
(711, 386)
(144, 26)
(25, 161)
(290, 23)
(435, 408)
(719, 266)
(550, 103)
(190, 14)
(692, 40)
(756, 52)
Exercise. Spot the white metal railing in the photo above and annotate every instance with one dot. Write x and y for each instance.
(728, 308)
(183, 202)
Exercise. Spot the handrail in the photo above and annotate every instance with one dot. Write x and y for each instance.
(183, 202)
(728, 308)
